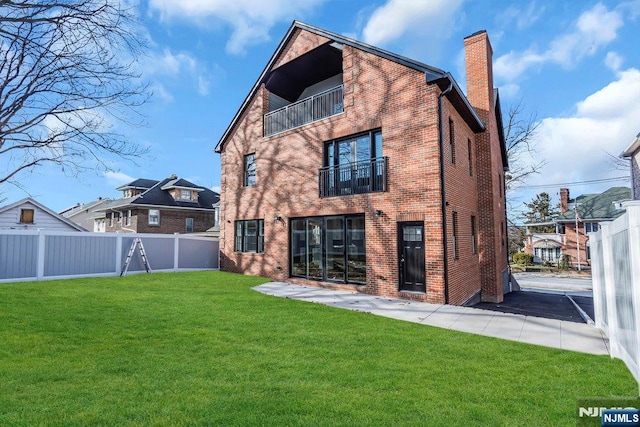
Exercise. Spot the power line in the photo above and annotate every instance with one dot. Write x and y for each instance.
(593, 181)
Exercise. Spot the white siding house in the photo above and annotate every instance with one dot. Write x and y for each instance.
(28, 214)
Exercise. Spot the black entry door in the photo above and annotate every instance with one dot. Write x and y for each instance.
(411, 256)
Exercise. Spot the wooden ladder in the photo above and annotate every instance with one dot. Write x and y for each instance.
(143, 255)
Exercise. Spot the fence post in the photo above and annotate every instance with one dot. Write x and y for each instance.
(633, 210)
(597, 284)
(118, 253)
(608, 264)
(176, 251)
(41, 255)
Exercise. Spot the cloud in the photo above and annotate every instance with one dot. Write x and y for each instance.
(576, 147)
(593, 30)
(169, 63)
(509, 91)
(166, 67)
(250, 20)
(613, 61)
(117, 178)
(398, 17)
(161, 92)
(523, 18)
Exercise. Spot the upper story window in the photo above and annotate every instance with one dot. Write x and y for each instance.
(353, 165)
(591, 227)
(470, 154)
(27, 216)
(154, 217)
(249, 169)
(185, 194)
(452, 141)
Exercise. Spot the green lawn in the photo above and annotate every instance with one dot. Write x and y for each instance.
(202, 348)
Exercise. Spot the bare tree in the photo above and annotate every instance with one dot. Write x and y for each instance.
(67, 80)
(519, 133)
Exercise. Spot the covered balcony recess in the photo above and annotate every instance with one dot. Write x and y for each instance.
(305, 89)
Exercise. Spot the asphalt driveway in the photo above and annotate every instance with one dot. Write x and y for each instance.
(541, 304)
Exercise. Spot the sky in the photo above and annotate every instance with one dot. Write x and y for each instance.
(573, 67)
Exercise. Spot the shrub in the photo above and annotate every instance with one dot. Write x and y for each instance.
(523, 258)
(564, 262)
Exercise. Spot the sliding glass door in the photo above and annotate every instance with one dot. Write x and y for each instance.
(329, 248)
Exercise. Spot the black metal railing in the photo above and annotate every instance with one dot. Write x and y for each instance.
(369, 176)
(316, 107)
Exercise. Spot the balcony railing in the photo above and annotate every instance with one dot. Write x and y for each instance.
(369, 176)
(316, 107)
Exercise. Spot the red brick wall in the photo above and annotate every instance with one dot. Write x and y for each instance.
(462, 197)
(378, 94)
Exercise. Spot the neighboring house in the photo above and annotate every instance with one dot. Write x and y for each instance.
(173, 205)
(633, 154)
(87, 215)
(347, 164)
(577, 218)
(29, 214)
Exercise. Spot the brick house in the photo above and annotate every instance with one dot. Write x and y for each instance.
(173, 205)
(578, 217)
(351, 166)
(633, 154)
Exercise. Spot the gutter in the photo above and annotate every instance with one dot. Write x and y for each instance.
(444, 193)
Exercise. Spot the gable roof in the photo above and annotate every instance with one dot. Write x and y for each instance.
(79, 208)
(632, 148)
(158, 195)
(43, 208)
(598, 206)
(432, 75)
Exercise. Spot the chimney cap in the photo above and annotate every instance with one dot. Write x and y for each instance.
(173, 176)
(476, 33)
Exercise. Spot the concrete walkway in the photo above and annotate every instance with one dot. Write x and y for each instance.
(515, 327)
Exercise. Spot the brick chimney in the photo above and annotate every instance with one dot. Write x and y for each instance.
(478, 57)
(564, 200)
(489, 164)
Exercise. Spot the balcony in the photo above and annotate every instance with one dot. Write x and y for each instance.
(369, 176)
(315, 107)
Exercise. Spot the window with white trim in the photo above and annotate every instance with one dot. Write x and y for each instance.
(128, 220)
(189, 225)
(154, 217)
(185, 194)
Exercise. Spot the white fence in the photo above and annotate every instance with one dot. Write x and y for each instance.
(615, 257)
(42, 255)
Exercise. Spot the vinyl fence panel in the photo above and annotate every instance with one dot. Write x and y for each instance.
(18, 255)
(49, 254)
(616, 285)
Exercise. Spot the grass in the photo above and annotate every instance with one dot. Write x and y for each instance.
(202, 348)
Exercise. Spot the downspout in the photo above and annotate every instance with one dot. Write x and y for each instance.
(444, 193)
